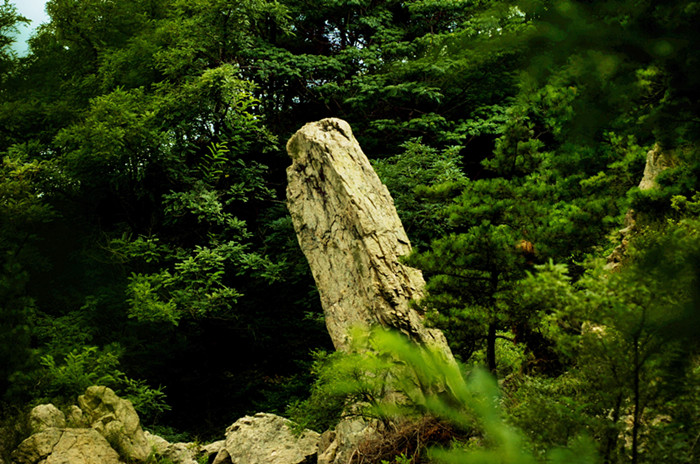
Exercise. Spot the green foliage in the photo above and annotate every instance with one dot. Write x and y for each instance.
(400, 459)
(324, 405)
(144, 302)
(14, 428)
(60, 381)
(551, 411)
(615, 330)
(408, 174)
(9, 22)
(170, 434)
(16, 311)
(79, 370)
(22, 210)
(148, 183)
(428, 383)
(607, 45)
(149, 402)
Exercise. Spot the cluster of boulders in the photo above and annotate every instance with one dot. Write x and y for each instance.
(105, 429)
(102, 428)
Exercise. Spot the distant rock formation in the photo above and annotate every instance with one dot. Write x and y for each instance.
(348, 228)
(657, 161)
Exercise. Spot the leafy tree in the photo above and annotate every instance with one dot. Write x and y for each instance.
(21, 210)
(394, 70)
(628, 63)
(525, 206)
(410, 173)
(559, 172)
(614, 330)
(9, 21)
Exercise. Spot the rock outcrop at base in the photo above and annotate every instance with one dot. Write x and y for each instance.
(45, 416)
(343, 442)
(348, 228)
(267, 439)
(62, 445)
(105, 429)
(177, 453)
(115, 419)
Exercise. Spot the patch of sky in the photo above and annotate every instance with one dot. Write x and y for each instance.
(35, 11)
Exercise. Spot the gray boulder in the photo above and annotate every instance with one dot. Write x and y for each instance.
(267, 439)
(344, 441)
(116, 420)
(46, 416)
(65, 446)
(178, 453)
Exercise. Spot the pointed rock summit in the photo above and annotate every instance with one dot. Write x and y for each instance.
(348, 228)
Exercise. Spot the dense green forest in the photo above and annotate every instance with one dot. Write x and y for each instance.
(145, 243)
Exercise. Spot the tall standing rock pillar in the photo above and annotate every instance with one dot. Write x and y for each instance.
(348, 228)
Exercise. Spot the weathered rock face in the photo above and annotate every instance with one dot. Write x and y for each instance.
(106, 430)
(267, 439)
(46, 416)
(116, 420)
(211, 450)
(62, 446)
(348, 228)
(75, 418)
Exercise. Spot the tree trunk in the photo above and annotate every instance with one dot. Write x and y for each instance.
(637, 409)
(491, 348)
